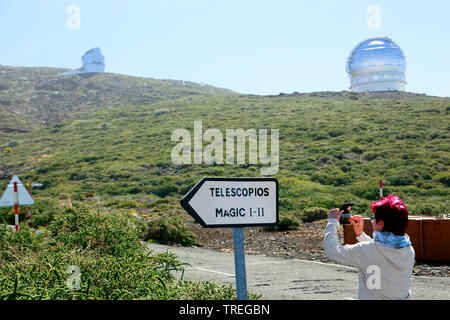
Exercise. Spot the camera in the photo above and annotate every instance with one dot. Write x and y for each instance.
(346, 207)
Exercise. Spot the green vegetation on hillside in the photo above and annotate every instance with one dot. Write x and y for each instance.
(108, 143)
(332, 149)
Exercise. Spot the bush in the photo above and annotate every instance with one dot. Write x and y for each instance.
(164, 229)
(126, 204)
(16, 244)
(164, 189)
(203, 290)
(369, 156)
(161, 112)
(357, 149)
(13, 144)
(426, 209)
(104, 232)
(314, 214)
(111, 261)
(444, 178)
(7, 215)
(41, 219)
(369, 192)
(401, 179)
(335, 179)
(43, 212)
(288, 222)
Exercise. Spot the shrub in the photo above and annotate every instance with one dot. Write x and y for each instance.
(402, 179)
(369, 156)
(126, 204)
(16, 244)
(204, 290)
(335, 179)
(371, 192)
(104, 232)
(336, 132)
(288, 222)
(407, 135)
(444, 178)
(314, 214)
(164, 189)
(161, 112)
(13, 144)
(164, 228)
(35, 265)
(426, 208)
(41, 219)
(357, 149)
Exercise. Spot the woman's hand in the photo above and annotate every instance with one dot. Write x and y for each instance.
(358, 224)
(334, 214)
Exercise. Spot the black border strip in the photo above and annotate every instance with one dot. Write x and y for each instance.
(186, 206)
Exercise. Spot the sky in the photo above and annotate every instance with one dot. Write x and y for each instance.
(249, 46)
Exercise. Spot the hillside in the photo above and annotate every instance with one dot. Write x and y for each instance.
(35, 97)
(110, 135)
(101, 145)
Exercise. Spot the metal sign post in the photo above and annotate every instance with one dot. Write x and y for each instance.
(236, 203)
(239, 264)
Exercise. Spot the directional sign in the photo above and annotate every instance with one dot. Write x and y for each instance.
(24, 197)
(37, 185)
(233, 202)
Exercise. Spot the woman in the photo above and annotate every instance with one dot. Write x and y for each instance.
(385, 262)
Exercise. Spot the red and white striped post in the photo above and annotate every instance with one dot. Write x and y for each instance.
(29, 191)
(381, 188)
(16, 206)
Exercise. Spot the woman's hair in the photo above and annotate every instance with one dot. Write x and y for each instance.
(393, 212)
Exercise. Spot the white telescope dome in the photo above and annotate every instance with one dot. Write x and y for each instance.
(377, 64)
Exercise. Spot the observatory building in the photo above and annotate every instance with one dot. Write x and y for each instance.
(93, 62)
(377, 64)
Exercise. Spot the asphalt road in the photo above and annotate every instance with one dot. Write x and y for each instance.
(282, 279)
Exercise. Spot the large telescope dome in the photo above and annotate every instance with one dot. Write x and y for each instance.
(377, 64)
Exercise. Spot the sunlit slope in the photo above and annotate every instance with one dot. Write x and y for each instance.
(334, 147)
(39, 97)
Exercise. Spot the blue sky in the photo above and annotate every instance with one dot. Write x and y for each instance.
(250, 46)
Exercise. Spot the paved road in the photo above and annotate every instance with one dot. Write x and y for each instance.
(278, 278)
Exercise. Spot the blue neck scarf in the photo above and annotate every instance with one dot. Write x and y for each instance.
(390, 240)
